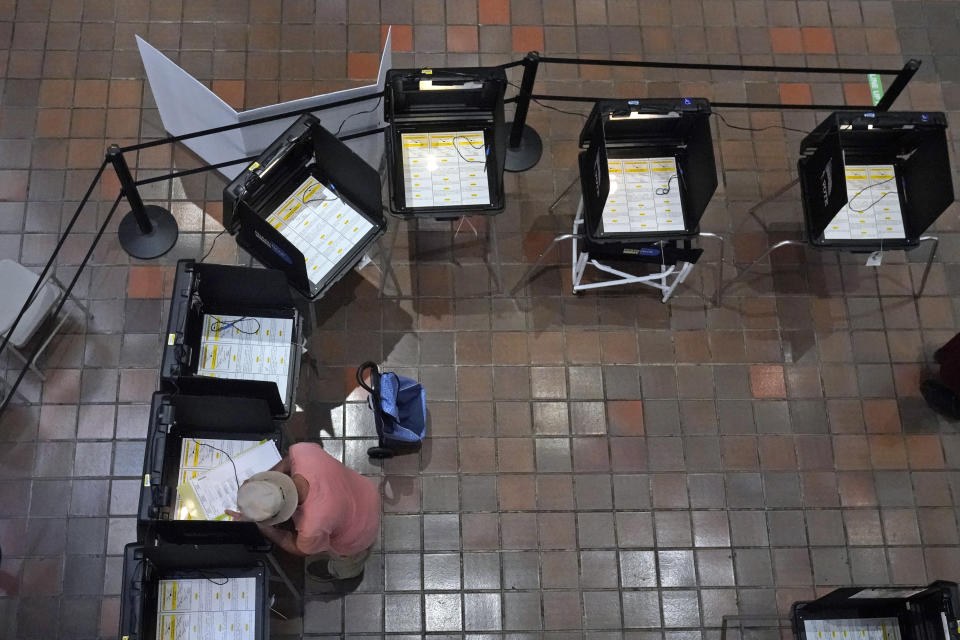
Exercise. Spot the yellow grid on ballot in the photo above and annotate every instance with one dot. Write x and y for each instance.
(207, 609)
(644, 196)
(444, 169)
(873, 210)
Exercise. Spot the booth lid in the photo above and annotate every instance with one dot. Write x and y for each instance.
(443, 91)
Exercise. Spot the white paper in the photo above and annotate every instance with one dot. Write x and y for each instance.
(215, 490)
(445, 169)
(247, 349)
(202, 454)
(322, 226)
(884, 592)
(853, 629)
(642, 197)
(186, 105)
(207, 609)
(873, 210)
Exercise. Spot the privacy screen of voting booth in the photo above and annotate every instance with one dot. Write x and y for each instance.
(446, 144)
(874, 180)
(648, 171)
(176, 592)
(880, 613)
(308, 206)
(233, 331)
(197, 447)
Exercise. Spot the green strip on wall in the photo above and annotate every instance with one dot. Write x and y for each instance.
(876, 87)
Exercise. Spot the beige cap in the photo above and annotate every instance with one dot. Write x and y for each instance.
(269, 497)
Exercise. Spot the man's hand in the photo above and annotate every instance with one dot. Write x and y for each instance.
(236, 515)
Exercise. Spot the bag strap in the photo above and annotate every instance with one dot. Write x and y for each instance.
(373, 371)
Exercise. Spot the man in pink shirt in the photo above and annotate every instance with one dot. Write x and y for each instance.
(335, 510)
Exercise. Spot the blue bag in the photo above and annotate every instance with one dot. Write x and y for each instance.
(399, 407)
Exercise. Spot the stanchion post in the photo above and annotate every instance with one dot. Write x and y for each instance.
(899, 84)
(524, 146)
(146, 231)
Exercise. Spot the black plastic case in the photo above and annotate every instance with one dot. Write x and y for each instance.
(915, 143)
(174, 418)
(212, 288)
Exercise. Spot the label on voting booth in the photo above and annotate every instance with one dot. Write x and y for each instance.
(198, 455)
(246, 348)
(211, 493)
(320, 225)
(202, 609)
(853, 629)
(872, 211)
(644, 196)
(445, 169)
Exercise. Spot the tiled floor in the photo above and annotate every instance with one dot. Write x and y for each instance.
(595, 463)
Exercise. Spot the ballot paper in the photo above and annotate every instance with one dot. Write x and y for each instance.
(247, 348)
(320, 225)
(212, 492)
(207, 608)
(202, 454)
(853, 629)
(644, 196)
(445, 169)
(873, 210)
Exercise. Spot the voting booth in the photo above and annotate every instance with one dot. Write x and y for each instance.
(647, 174)
(181, 591)
(233, 331)
(189, 437)
(874, 181)
(446, 143)
(308, 206)
(881, 613)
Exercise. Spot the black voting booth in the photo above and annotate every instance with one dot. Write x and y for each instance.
(914, 143)
(174, 419)
(305, 149)
(211, 289)
(430, 101)
(674, 135)
(144, 568)
(903, 613)
(620, 129)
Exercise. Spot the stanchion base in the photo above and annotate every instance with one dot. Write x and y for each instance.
(148, 245)
(525, 155)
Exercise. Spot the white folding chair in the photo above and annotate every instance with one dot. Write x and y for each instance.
(16, 283)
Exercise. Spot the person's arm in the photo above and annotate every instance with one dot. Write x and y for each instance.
(283, 466)
(286, 540)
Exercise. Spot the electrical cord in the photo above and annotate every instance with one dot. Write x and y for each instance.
(486, 151)
(547, 106)
(221, 326)
(236, 476)
(662, 191)
(358, 113)
(741, 128)
(849, 200)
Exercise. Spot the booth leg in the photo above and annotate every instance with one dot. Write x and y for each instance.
(719, 270)
(782, 243)
(494, 254)
(528, 276)
(282, 575)
(388, 262)
(752, 211)
(926, 270)
(563, 195)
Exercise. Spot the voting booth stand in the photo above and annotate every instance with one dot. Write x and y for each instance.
(446, 146)
(647, 174)
(233, 331)
(872, 182)
(307, 206)
(184, 591)
(880, 613)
